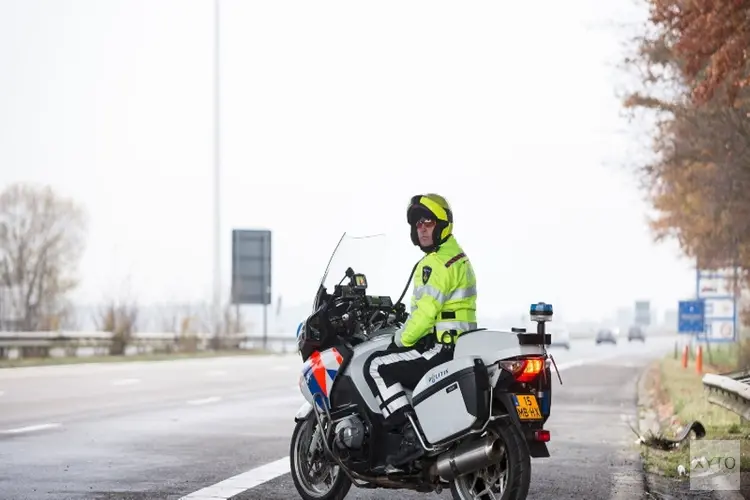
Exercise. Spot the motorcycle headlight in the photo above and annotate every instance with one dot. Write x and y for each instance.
(300, 335)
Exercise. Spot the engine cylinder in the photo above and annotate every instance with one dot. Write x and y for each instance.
(350, 433)
(469, 457)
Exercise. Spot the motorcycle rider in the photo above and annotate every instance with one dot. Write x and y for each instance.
(443, 306)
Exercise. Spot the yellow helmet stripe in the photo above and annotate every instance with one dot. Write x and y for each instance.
(436, 209)
(447, 231)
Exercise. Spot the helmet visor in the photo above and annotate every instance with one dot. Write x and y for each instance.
(418, 212)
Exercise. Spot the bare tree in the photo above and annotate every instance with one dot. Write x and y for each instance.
(189, 327)
(65, 319)
(122, 320)
(191, 319)
(42, 238)
(229, 323)
(184, 322)
(168, 318)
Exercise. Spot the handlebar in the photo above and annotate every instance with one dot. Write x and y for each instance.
(369, 312)
(348, 315)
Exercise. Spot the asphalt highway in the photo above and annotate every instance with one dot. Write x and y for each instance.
(219, 428)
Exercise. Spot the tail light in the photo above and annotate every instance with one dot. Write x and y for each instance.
(542, 436)
(525, 369)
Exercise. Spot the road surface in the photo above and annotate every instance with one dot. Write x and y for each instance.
(166, 430)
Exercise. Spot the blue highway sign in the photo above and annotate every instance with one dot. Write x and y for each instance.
(691, 316)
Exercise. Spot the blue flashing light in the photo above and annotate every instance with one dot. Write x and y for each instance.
(541, 308)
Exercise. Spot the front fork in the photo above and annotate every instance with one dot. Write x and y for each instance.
(305, 411)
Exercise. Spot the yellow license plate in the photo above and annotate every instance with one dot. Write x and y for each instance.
(527, 407)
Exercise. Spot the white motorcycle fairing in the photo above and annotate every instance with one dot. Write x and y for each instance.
(448, 400)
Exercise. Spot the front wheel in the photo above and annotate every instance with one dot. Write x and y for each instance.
(507, 479)
(315, 476)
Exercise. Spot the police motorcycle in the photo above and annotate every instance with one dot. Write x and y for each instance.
(479, 417)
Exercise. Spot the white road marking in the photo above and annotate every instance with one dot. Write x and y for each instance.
(216, 373)
(204, 401)
(126, 381)
(282, 368)
(31, 428)
(242, 482)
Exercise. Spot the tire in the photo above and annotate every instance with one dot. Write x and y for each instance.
(341, 484)
(518, 461)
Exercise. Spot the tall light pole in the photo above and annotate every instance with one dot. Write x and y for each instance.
(3, 277)
(217, 176)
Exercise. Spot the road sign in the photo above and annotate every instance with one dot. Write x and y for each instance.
(720, 319)
(715, 283)
(643, 313)
(719, 330)
(719, 308)
(691, 316)
(251, 267)
(715, 288)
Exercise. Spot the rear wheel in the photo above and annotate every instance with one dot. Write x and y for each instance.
(315, 476)
(506, 479)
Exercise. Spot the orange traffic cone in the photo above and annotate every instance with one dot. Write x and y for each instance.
(685, 357)
(699, 360)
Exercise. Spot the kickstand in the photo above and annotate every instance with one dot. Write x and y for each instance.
(556, 370)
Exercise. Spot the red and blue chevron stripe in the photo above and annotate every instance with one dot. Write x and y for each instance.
(320, 371)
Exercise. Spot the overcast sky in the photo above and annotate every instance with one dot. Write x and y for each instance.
(333, 115)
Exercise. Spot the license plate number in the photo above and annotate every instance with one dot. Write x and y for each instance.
(527, 407)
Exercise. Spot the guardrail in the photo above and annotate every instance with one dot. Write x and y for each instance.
(14, 345)
(730, 391)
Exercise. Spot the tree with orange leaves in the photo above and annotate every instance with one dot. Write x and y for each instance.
(699, 182)
(713, 39)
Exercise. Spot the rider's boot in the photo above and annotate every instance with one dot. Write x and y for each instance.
(409, 449)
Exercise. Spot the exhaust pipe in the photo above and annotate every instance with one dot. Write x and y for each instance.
(469, 457)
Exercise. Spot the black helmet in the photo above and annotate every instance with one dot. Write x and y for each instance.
(434, 207)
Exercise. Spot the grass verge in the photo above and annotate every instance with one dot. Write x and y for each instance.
(679, 399)
(16, 363)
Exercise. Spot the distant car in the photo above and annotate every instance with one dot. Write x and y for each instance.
(605, 335)
(560, 337)
(636, 333)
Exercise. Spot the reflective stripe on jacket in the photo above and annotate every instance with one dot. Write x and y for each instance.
(444, 298)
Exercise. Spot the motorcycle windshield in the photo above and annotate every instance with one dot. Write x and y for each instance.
(384, 260)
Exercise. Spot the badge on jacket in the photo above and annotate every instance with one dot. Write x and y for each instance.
(426, 272)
